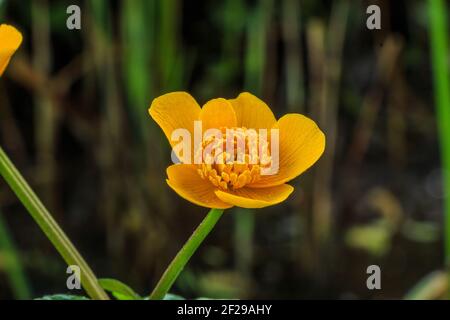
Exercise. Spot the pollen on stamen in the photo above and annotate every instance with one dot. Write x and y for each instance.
(238, 168)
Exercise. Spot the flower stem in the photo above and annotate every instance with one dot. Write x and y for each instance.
(176, 266)
(49, 226)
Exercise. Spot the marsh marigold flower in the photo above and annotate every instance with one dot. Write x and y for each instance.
(224, 184)
(10, 40)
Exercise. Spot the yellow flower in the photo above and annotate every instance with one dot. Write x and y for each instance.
(227, 184)
(10, 40)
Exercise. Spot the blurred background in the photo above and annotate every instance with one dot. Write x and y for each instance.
(73, 118)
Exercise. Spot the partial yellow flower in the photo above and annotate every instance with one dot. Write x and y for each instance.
(10, 40)
(301, 143)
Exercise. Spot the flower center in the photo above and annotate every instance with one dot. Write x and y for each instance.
(234, 158)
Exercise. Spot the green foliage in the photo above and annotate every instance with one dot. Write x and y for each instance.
(255, 56)
(137, 53)
(119, 290)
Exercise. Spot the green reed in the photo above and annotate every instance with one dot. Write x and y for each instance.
(440, 57)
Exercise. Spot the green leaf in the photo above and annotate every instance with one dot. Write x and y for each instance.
(62, 297)
(119, 290)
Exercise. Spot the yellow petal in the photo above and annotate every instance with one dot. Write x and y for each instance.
(252, 113)
(10, 40)
(173, 111)
(256, 198)
(185, 180)
(217, 113)
(301, 145)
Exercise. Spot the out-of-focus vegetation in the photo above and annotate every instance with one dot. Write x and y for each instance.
(73, 117)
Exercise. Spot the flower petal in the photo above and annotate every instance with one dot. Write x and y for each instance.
(185, 181)
(217, 113)
(252, 113)
(10, 40)
(173, 111)
(256, 198)
(301, 144)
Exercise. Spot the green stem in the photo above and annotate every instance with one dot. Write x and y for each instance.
(51, 229)
(439, 50)
(181, 259)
